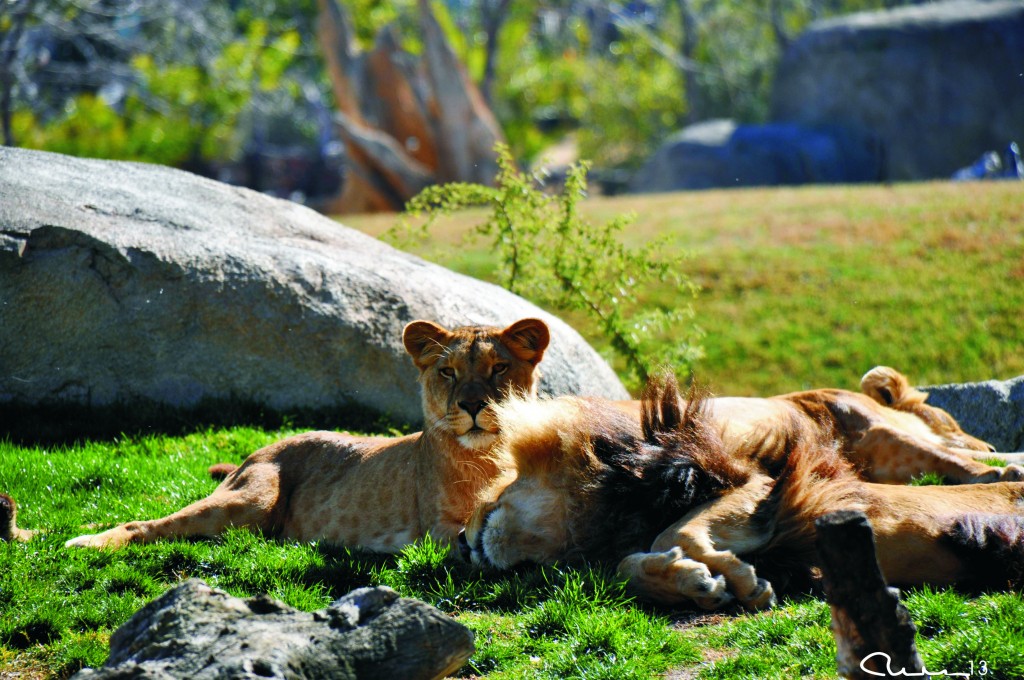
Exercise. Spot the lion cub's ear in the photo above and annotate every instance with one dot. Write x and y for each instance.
(425, 342)
(527, 339)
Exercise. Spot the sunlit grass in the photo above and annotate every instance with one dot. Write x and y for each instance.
(60, 606)
(809, 287)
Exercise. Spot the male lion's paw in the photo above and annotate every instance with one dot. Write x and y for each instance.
(762, 597)
(670, 577)
(718, 597)
(1012, 473)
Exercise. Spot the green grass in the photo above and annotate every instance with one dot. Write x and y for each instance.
(60, 606)
(811, 287)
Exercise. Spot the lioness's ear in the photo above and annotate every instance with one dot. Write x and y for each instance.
(889, 387)
(527, 339)
(425, 342)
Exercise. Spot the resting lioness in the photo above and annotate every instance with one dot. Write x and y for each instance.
(888, 433)
(376, 493)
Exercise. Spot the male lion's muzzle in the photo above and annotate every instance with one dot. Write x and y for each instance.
(471, 538)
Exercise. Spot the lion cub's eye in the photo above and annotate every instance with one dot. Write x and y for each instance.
(498, 369)
(447, 372)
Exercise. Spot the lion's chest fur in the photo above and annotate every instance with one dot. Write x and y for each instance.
(376, 493)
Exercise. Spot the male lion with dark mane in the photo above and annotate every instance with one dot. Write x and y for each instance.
(376, 493)
(683, 516)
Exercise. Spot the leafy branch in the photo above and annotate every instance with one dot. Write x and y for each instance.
(548, 252)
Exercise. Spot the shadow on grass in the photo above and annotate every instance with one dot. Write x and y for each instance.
(65, 423)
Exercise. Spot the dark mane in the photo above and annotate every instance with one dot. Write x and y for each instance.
(652, 475)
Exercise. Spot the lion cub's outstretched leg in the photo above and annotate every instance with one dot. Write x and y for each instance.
(696, 558)
(9, 530)
(248, 498)
(888, 455)
(896, 450)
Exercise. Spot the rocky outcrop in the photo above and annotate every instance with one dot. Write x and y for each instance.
(194, 631)
(992, 410)
(721, 153)
(125, 281)
(936, 84)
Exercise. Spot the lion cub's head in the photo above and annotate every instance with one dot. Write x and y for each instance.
(464, 372)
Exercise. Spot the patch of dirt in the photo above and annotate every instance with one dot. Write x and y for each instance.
(686, 621)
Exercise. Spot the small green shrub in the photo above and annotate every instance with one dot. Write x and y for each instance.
(551, 254)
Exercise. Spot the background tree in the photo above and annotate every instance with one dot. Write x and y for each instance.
(173, 83)
(13, 18)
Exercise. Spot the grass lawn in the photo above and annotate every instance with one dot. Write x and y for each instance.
(811, 287)
(59, 606)
(803, 287)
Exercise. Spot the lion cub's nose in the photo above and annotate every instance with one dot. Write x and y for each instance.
(471, 407)
(464, 549)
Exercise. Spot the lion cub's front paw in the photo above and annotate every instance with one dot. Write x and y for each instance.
(96, 541)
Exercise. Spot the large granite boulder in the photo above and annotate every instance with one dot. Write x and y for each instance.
(937, 84)
(125, 281)
(992, 410)
(194, 631)
(722, 153)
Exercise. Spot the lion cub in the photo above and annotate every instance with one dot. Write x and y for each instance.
(376, 493)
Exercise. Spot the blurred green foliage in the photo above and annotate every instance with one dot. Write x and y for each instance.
(619, 82)
(182, 111)
(550, 253)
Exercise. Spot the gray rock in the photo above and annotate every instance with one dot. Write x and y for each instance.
(992, 410)
(720, 153)
(194, 631)
(937, 84)
(124, 281)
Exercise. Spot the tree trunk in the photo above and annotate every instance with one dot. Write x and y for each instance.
(406, 123)
(9, 44)
(492, 16)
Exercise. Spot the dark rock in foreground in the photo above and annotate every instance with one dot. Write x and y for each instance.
(194, 631)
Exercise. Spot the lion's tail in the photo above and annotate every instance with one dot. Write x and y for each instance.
(990, 547)
(219, 471)
(9, 521)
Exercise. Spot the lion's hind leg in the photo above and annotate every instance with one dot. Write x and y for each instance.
(990, 548)
(249, 499)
